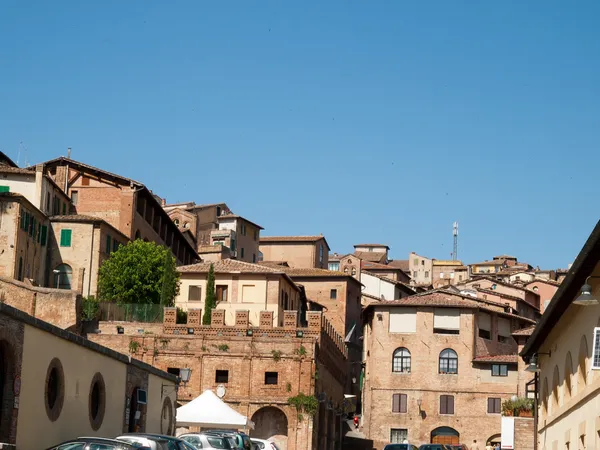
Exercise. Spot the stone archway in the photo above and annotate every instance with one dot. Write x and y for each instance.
(445, 435)
(7, 377)
(271, 423)
(494, 439)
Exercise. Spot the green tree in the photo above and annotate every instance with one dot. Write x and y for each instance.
(211, 297)
(139, 272)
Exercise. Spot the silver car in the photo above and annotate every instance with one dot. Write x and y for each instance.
(209, 442)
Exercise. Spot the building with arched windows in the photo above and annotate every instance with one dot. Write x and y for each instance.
(566, 347)
(438, 367)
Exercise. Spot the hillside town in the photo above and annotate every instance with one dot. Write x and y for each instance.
(307, 346)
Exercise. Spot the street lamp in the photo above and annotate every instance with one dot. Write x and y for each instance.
(184, 377)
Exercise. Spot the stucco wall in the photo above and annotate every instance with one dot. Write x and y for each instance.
(297, 254)
(378, 287)
(569, 388)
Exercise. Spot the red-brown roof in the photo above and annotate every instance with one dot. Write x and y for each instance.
(401, 264)
(269, 239)
(235, 216)
(372, 245)
(524, 331)
(378, 257)
(370, 265)
(543, 280)
(506, 359)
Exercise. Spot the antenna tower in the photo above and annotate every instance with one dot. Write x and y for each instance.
(455, 234)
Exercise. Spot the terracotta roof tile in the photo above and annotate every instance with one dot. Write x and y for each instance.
(235, 216)
(275, 239)
(274, 263)
(305, 272)
(542, 280)
(508, 359)
(204, 249)
(488, 263)
(9, 169)
(401, 264)
(370, 265)
(447, 262)
(371, 245)
(371, 256)
(524, 331)
(228, 266)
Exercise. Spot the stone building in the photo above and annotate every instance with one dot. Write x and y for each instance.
(199, 220)
(239, 235)
(420, 269)
(127, 205)
(448, 272)
(260, 368)
(564, 351)
(240, 285)
(55, 386)
(23, 239)
(304, 252)
(545, 288)
(78, 245)
(377, 253)
(438, 366)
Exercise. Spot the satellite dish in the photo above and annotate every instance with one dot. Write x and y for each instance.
(221, 391)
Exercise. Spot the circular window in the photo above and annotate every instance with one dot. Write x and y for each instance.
(97, 401)
(55, 389)
(166, 417)
(186, 225)
(535, 289)
(176, 222)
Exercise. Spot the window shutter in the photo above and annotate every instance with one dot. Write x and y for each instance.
(108, 244)
(4, 188)
(443, 404)
(403, 406)
(450, 404)
(490, 405)
(44, 234)
(65, 238)
(396, 403)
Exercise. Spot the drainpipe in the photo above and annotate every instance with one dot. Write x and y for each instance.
(535, 412)
(91, 259)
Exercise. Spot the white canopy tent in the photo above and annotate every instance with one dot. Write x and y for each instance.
(209, 411)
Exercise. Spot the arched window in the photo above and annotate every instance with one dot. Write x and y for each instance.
(401, 360)
(582, 364)
(555, 396)
(63, 275)
(448, 361)
(568, 390)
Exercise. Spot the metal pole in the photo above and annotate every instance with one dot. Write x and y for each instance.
(535, 412)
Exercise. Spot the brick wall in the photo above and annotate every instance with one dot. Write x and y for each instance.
(11, 355)
(524, 433)
(56, 306)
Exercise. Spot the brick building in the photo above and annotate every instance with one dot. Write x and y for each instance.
(125, 204)
(438, 366)
(200, 220)
(240, 285)
(239, 235)
(377, 253)
(305, 252)
(448, 272)
(260, 367)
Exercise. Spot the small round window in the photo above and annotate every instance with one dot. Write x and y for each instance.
(535, 289)
(176, 222)
(54, 395)
(97, 401)
(186, 225)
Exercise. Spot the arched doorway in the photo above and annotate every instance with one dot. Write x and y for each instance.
(7, 374)
(63, 275)
(271, 423)
(133, 407)
(445, 435)
(494, 439)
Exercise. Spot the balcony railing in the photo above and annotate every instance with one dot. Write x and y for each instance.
(148, 313)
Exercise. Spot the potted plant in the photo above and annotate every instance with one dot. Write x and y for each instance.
(518, 407)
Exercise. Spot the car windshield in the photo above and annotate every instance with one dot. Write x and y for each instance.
(216, 442)
(396, 447)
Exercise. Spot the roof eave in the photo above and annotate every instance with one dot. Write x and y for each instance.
(582, 267)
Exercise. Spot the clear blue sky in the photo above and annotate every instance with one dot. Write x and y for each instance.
(365, 121)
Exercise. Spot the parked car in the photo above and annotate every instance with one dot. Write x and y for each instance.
(165, 442)
(459, 447)
(400, 447)
(208, 441)
(95, 443)
(262, 444)
(242, 440)
(435, 447)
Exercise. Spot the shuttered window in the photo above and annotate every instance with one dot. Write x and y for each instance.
(446, 321)
(44, 234)
(108, 244)
(485, 325)
(65, 238)
(4, 188)
(446, 404)
(399, 403)
(493, 406)
(403, 320)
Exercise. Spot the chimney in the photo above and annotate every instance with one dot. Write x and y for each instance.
(69, 153)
